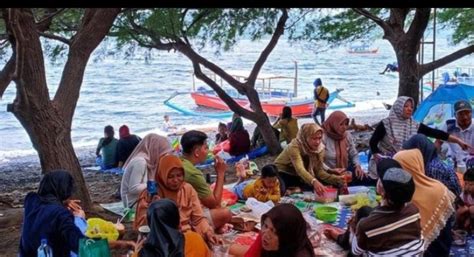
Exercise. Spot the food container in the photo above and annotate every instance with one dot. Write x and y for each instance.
(358, 189)
(329, 196)
(348, 177)
(326, 213)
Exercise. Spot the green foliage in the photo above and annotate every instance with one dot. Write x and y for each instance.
(220, 28)
(461, 20)
(336, 26)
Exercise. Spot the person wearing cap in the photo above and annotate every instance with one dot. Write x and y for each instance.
(462, 128)
(321, 97)
(394, 228)
(435, 202)
(397, 128)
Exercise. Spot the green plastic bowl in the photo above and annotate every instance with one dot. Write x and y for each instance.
(326, 213)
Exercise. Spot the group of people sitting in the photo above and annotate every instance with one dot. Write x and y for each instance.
(112, 152)
(239, 142)
(422, 196)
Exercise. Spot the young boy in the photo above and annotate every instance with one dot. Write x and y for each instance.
(344, 239)
(465, 203)
(394, 228)
(264, 188)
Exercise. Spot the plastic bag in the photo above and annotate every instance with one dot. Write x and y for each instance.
(223, 146)
(228, 197)
(93, 248)
(99, 228)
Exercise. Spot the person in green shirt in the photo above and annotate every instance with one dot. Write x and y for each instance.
(195, 148)
(108, 146)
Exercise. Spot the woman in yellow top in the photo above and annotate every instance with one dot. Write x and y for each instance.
(264, 188)
(287, 124)
(165, 237)
(301, 163)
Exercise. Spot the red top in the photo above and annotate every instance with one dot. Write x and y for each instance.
(255, 249)
(239, 142)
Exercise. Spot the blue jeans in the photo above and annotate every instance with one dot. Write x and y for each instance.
(99, 162)
(319, 111)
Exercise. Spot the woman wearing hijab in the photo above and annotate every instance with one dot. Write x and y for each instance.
(171, 185)
(165, 237)
(340, 152)
(397, 128)
(239, 138)
(49, 215)
(301, 163)
(434, 167)
(434, 201)
(126, 144)
(283, 233)
(287, 124)
(141, 165)
(108, 146)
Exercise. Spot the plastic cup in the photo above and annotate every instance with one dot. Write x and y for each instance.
(461, 167)
(459, 237)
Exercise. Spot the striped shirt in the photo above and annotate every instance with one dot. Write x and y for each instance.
(388, 232)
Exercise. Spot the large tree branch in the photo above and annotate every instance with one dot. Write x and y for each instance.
(268, 49)
(397, 18)
(195, 57)
(45, 22)
(29, 74)
(386, 28)
(6, 75)
(95, 25)
(55, 37)
(233, 105)
(418, 27)
(428, 67)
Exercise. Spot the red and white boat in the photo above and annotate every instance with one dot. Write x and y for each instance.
(272, 99)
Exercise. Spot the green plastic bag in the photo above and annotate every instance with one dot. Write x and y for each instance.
(94, 248)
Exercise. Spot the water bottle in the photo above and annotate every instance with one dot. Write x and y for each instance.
(44, 250)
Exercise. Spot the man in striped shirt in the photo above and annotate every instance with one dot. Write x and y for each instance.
(392, 229)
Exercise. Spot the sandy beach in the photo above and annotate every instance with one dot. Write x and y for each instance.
(22, 175)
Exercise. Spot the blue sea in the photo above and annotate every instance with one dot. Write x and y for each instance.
(131, 91)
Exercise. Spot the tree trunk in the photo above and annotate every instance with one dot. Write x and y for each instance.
(409, 77)
(51, 138)
(48, 122)
(263, 123)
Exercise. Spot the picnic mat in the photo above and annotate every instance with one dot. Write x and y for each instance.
(463, 251)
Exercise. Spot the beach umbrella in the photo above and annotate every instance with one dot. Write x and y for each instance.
(439, 105)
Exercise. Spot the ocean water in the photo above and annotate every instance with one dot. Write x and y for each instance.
(116, 91)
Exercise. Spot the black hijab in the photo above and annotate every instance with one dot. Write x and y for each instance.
(56, 186)
(165, 239)
(422, 143)
(290, 227)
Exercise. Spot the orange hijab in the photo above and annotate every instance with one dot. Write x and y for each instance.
(167, 163)
(433, 199)
(332, 128)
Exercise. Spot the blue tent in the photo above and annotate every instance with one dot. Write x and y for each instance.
(438, 106)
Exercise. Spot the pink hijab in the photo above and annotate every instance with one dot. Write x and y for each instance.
(151, 148)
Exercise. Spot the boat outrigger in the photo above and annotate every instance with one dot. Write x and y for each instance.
(272, 99)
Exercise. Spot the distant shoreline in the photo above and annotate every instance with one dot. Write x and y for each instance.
(86, 154)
